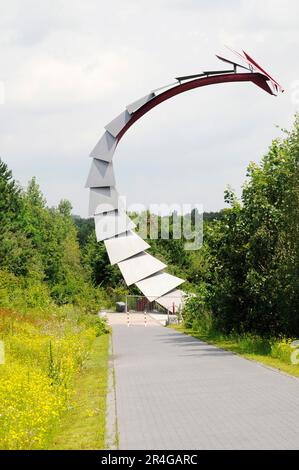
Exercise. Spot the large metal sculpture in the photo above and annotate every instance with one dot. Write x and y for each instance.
(125, 248)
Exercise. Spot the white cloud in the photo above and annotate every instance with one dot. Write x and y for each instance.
(70, 66)
(46, 82)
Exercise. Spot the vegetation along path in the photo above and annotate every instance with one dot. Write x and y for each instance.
(176, 392)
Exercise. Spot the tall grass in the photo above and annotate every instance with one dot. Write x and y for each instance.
(199, 322)
(43, 353)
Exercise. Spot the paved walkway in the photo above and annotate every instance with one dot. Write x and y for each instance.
(175, 392)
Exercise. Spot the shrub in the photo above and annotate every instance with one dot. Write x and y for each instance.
(196, 315)
(282, 350)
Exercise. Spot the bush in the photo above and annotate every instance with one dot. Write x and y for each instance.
(196, 315)
(282, 350)
(23, 293)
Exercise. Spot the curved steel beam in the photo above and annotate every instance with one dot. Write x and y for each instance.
(125, 247)
(256, 78)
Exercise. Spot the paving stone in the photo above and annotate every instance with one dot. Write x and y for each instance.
(175, 392)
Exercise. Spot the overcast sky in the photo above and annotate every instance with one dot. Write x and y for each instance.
(70, 66)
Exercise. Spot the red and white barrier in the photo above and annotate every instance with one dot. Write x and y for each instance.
(128, 318)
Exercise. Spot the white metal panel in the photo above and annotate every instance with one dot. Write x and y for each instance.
(101, 174)
(158, 284)
(112, 223)
(169, 85)
(103, 200)
(105, 148)
(173, 298)
(139, 266)
(115, 126)
(124, 245)
(138, 103)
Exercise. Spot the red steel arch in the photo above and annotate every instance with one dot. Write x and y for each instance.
(256, 78)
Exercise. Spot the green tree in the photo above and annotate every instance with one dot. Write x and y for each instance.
(10, 200)
(16, 254)
(97, 263)
(255, 248)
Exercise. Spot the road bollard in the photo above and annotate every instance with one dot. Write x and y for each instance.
(145, 319)
(128, 318)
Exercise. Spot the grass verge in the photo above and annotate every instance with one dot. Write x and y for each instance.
(83, 426)
(242, 348)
